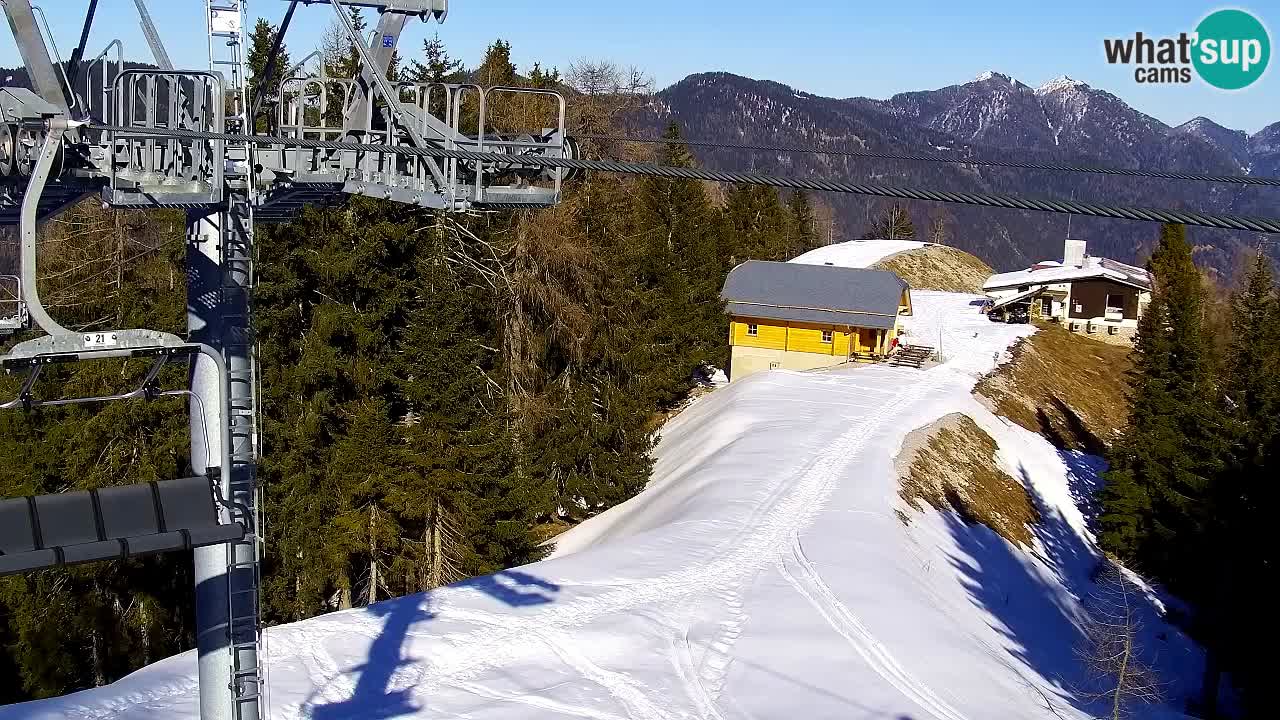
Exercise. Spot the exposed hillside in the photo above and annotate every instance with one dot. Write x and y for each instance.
(938, 267)
(992, 116)
(1067, 387)
(952, 466)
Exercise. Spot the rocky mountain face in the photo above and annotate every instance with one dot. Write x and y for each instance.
(993, 116)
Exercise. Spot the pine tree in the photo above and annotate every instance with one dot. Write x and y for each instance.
(1158, 501)
(1246, 488)
(496, 68)
(260, 44)
(542, 79)
(1251, 380)
(757, 224)
(677, 273)
(804, 235)
(436, 67)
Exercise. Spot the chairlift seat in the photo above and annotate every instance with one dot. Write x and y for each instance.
(110, 524)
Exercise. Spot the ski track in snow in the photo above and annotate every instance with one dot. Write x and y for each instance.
(804, 577)
(755, 546)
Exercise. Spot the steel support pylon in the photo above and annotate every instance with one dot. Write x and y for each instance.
(219, 286)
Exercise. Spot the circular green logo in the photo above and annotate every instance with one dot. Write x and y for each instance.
(1232, 49)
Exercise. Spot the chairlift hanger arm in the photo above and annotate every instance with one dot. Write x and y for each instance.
(153, 37)
(49, 152)
(272, 60)
(73, 69)
(35, 53)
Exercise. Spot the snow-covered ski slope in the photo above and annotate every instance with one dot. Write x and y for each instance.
(765, 573)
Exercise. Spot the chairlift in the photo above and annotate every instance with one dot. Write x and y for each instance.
(115, 523)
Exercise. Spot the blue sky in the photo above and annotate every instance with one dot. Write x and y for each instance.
(839, 48)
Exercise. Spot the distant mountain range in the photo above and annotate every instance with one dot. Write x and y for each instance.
(996, 116)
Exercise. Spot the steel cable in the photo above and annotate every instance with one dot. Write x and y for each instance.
(1012, 202)
(935, 158)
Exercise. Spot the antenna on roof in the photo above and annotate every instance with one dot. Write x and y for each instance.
(1070, 216)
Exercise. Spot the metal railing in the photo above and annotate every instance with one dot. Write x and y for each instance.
(162, 99)
(104, 111)
(13, 311)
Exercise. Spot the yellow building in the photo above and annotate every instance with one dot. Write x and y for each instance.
(802, 317)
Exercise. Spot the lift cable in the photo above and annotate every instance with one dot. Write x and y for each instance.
(936, 158)
(1012, 202)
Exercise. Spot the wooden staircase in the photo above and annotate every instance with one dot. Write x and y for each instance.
(912, 356)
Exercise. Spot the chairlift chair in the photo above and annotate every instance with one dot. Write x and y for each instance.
(120, 522)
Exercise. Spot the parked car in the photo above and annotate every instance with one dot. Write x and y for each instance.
(1017, 314)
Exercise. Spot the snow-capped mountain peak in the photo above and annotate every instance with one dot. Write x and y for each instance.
(992, 75)
(1060, 84)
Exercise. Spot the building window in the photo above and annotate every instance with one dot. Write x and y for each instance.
(826, 336)
(1115, 307)
(753, 330)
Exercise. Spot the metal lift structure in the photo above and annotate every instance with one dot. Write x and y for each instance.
(54, 152)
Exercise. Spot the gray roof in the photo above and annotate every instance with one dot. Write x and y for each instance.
(814, 293)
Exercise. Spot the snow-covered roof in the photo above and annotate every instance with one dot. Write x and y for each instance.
(1050, 272)
(814, 294)
(857, 253)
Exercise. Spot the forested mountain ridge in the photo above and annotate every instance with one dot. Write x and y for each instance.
(992, 116)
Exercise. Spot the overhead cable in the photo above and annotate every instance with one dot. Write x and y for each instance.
(953, 159)
(1012, 202)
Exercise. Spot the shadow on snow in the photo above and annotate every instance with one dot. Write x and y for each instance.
(373, 698)
(1036, 607)
(1038, 619)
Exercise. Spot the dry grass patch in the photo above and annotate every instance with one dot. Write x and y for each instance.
(1067, 387)
(951, 465)
(938, 267)
(547, 531)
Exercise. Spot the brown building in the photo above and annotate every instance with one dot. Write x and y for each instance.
(1089, 295)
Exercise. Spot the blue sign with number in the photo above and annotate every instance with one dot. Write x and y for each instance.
(388, 41)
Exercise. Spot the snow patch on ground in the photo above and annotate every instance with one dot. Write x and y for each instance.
(764, 573)
(856, 253)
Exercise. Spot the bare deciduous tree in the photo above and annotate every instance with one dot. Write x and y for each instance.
(940, 226)
(606, 91)
(894, 224)
(1111, 651)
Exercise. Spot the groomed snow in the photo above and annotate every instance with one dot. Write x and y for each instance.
(856, 253)
(765, 573)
